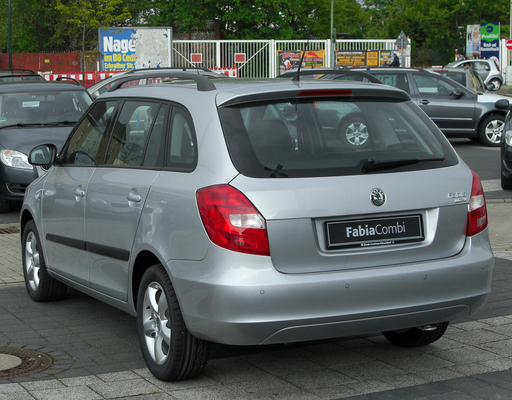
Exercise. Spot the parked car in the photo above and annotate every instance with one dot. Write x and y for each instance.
(457, 110)
(487, 69)
(104, 85)
(465, 76)
(506, 146)
(238, 211)
(16, 75)
(33, 112)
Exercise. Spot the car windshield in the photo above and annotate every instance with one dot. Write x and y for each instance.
(46, 107)
(327, 137)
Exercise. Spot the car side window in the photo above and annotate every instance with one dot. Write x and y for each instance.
(181, 152)
(482, 66)
(432, 85)
(399, 80)
(131, 132)
(89, 141)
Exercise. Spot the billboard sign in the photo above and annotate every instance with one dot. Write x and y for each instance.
(289, 60)
(129, 48)
(472, 40)
(490, 40)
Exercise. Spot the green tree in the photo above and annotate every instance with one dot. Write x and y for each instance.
(436, 27)
(89, 15)
(260, 19)
(33, 26)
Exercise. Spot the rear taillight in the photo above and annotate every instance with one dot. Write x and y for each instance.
(232, 221)
(477, 213)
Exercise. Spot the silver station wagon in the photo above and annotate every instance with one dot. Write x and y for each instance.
(244, 212)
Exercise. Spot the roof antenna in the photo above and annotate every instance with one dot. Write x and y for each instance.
(296, 78)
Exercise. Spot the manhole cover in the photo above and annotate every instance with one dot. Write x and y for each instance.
(9, 230)
(18, 362)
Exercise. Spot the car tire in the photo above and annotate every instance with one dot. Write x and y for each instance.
(354, 131)
(506, 183)
(415, 337)
(497, 84)
(170, 351)
(5, 206)
(40, 285)
(491, 129)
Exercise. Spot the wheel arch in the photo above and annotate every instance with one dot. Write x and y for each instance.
(484, 116)
(25, 217)
(145, 259)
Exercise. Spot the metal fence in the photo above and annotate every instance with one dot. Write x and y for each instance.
(258, 58)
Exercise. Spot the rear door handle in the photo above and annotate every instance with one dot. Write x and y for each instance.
(424, 102)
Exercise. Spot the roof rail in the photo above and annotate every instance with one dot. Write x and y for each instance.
(203, 83)
(161, 69)
(67, 78)
(18, 70)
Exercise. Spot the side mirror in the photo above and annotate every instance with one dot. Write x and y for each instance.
(43, 155)
(490, 86)
(503, 104)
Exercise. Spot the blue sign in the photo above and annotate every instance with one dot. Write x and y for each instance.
(490, 40)
(117, 47)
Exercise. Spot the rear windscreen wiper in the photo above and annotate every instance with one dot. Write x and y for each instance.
(372, 164)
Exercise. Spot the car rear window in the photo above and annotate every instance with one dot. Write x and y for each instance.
(330, 137)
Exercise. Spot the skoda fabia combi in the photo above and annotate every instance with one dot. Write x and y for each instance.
(244, 212)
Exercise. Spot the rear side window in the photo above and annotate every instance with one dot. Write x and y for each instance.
(329, 137)
(398, 80)
(181, 147)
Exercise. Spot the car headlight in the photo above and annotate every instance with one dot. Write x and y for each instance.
(508, 137)
(15, 159)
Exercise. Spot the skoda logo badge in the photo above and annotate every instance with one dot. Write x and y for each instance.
(378, 197)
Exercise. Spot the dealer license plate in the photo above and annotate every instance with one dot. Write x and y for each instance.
(374, 231)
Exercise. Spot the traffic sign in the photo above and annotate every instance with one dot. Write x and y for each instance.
(402, 42)
(509, 44)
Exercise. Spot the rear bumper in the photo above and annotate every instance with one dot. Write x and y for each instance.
(238, 299)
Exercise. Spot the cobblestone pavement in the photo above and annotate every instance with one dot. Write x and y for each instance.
(96, 354)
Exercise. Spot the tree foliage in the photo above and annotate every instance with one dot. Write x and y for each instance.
(436, 27)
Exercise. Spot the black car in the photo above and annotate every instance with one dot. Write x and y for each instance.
(457, 110)
(32, 113)
(506, 146)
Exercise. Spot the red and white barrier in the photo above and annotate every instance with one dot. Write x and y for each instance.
(96, 76)
(90, 77)
(231, 72)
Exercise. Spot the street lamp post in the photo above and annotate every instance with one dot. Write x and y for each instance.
(333, 36)
(10, 32)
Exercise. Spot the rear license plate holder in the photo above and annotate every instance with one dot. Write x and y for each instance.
(371, 232)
